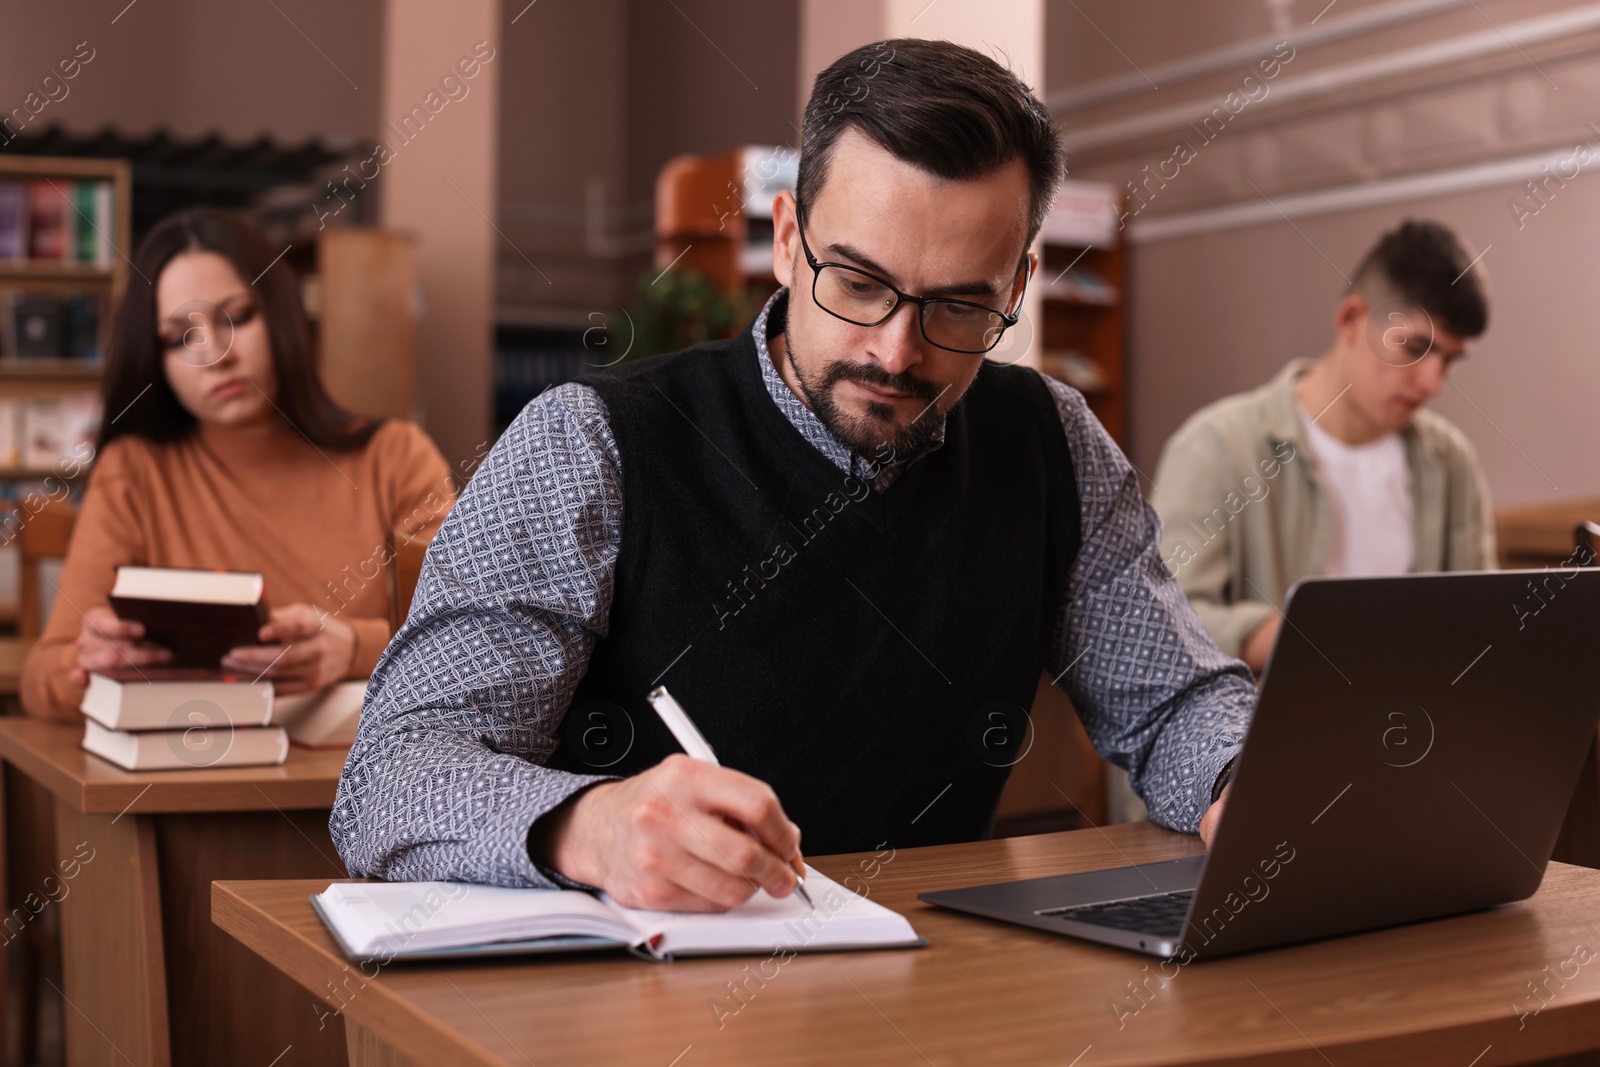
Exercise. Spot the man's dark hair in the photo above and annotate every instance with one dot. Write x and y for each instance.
(1425, 265)
(945, 109)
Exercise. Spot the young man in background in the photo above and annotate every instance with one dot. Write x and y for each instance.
(1336, 466)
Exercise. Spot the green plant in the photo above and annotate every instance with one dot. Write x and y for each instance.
(681, 308)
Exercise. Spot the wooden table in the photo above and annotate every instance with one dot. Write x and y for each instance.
(1532, 535)
(148, 979)
(982, 993)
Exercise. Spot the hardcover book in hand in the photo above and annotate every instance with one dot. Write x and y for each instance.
(197, 615)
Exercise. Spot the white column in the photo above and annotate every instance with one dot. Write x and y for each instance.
(441, 186)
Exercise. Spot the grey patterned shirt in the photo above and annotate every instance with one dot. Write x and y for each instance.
(446, 775)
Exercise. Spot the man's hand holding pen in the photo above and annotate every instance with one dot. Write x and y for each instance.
(685, 835)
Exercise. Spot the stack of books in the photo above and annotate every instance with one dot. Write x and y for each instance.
(179, 718)
(176, 718)
(191, 714)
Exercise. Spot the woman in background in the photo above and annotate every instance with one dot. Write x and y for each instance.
(220, 449)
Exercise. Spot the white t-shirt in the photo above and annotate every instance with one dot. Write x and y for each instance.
(1369, 487)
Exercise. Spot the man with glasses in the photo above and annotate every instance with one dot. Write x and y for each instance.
(846, 542)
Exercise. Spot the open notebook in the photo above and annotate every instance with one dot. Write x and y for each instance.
(432, 920)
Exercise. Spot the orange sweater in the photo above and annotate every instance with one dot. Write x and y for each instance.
(314, 524)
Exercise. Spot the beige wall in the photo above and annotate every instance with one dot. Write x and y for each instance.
(197, 66)
(1220, 313)
(442, 186)
(1221, 309)
(563, 128)
(598, 96)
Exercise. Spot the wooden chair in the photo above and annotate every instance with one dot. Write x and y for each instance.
(27, 813)
(408, 553)
(43, 539)
(1580, 834)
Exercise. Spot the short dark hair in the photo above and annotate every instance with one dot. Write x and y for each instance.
(1426, 265)
(134, 359)
(944, 108)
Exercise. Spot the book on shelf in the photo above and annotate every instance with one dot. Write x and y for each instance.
(80, 327)
(1084, 214)
(34, 326)
(84, 223)
(168, 698)
(10, 433)
(323, 718)
(51, 236)
(48, 326)
(105, 199)
(1081, 286)
(13, 220)
(197, 748)
(197, 615)
(1076, 369)
(53, 430)
(434, 920)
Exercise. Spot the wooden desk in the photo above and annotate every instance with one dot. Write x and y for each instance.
(982, 993)
(147, 979)
(1533, 535)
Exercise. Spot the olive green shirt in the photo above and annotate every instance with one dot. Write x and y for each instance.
(1246, 516)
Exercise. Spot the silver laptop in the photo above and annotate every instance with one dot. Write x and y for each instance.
(1416, 746)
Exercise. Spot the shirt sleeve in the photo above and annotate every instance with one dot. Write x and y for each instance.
(1156, 696)
(1470, 538)
(107, 533)
(446, 775)
(1190, 479)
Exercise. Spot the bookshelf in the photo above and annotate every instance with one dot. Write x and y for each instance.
(714, 215)
(1083, 283)
(55, 322)
(26, 377)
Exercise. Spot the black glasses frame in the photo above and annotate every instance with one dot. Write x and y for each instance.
(922, 302)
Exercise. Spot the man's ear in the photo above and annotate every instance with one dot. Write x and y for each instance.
(1349, 318)
(1027, 275)
(785, 237)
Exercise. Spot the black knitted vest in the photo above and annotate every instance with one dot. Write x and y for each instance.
(868, 655)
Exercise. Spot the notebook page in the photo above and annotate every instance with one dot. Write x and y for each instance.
(764, 923)
(394, 917)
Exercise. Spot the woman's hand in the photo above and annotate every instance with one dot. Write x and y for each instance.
(302, 651)
(107, 642)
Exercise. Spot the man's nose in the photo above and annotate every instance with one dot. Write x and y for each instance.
(1430, 372)
(898, 341)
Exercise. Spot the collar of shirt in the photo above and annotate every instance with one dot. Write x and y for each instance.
(803, 419)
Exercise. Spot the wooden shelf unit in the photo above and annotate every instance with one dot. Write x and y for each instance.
(21, 379)
(714, 215)
(1095, 330)
(362, 299)
(108, 282)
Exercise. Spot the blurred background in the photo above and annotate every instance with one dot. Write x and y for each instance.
(485, 198)
(526, 210)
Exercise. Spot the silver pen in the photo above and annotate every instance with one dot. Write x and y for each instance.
(695, 744)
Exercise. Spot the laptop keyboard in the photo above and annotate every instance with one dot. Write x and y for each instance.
(1161, 915)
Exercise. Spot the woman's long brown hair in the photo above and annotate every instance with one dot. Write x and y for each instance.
(138, 399)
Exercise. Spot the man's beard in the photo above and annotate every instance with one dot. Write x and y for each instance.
(876, 431)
